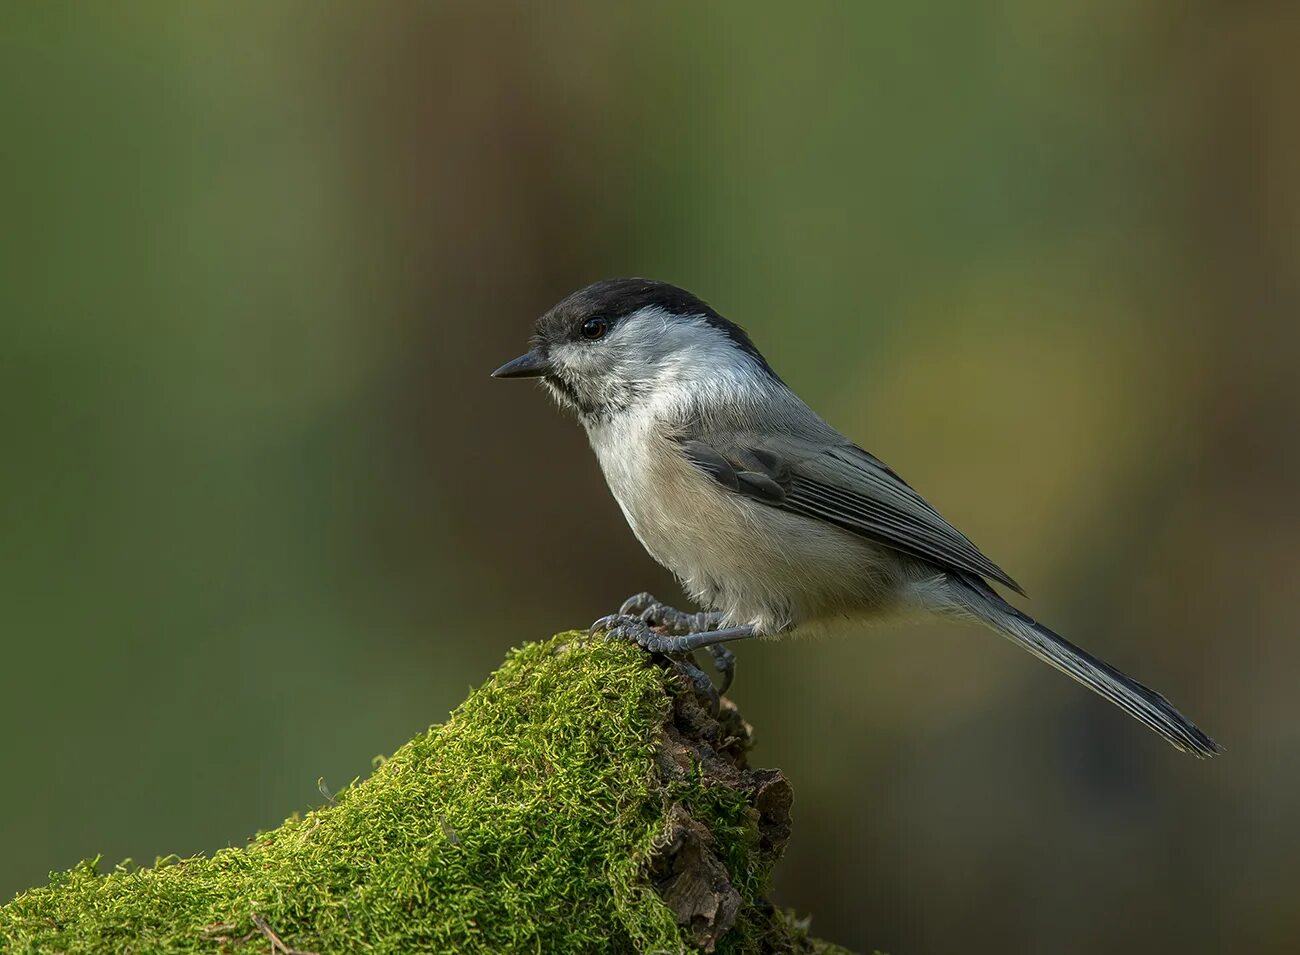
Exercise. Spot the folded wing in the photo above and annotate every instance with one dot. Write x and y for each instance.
(842, 485)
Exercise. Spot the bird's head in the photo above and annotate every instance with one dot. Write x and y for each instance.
(616, 344)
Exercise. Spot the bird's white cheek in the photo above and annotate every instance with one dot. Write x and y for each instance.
(558, 396)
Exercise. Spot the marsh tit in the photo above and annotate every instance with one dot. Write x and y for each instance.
(768, 516)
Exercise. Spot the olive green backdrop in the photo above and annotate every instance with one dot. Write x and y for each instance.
(263, 515)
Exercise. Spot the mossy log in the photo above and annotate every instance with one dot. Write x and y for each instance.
(583, 800)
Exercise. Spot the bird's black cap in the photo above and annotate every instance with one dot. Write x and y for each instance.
(615, 298)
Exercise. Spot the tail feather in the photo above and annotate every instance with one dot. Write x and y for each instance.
(975, 598)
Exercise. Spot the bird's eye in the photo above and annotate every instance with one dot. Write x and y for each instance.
(594, 328)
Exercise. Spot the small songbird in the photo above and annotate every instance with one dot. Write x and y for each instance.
(768, 516)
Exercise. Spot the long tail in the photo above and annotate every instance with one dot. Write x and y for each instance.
(976, 599)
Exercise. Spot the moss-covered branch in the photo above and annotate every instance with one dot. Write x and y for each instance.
(581, 801)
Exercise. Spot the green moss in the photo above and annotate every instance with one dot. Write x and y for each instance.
(530, 821)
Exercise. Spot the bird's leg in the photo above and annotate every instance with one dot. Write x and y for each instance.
(689, 642)
(658, 614)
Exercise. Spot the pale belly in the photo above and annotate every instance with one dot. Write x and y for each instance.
(757, 564)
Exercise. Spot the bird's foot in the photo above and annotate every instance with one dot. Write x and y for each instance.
(656, 613)
(659, 628)
(622, 626)
(634, 629)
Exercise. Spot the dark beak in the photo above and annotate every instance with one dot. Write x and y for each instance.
(531, 365)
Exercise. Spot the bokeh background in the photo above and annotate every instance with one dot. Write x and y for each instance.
(263, 515)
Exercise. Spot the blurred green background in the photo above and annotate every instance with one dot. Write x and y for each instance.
(263, 515)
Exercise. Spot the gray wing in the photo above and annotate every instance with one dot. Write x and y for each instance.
(840, 484)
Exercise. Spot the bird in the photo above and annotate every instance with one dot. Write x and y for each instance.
(772, 520)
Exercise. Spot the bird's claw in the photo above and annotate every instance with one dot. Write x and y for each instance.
(605, 624)
(638, 604)
(724, 661)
